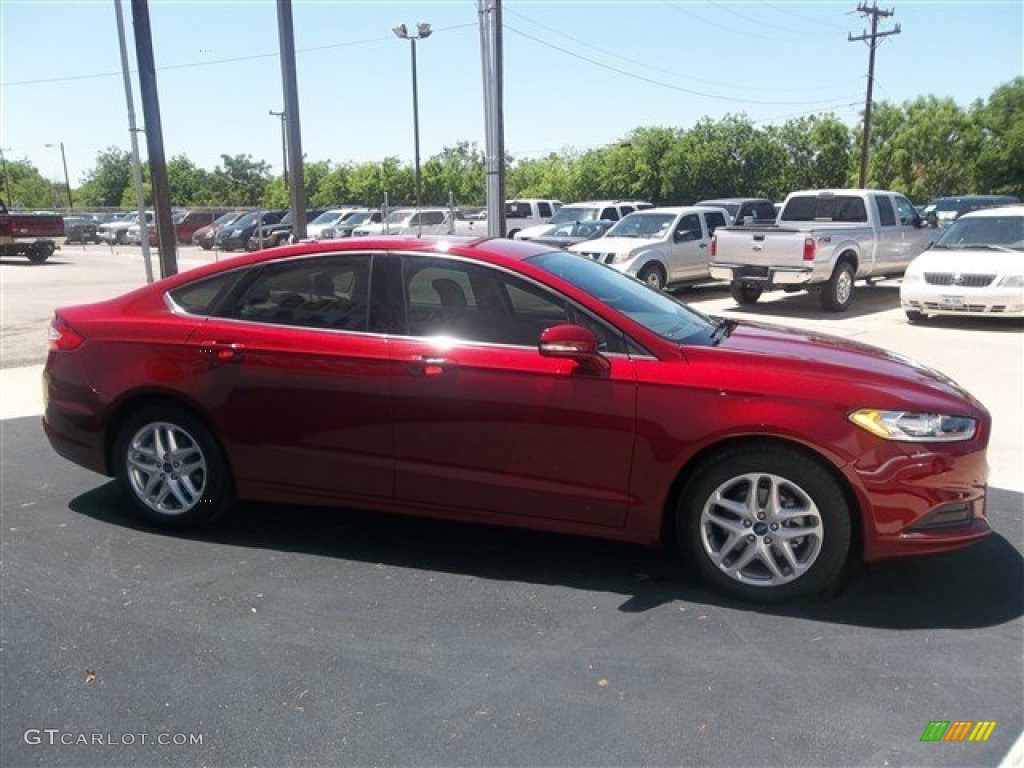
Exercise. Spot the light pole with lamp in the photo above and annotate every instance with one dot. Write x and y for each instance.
(67, 182)
(423, 31)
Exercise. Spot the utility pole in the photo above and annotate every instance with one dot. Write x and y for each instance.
(872, 39)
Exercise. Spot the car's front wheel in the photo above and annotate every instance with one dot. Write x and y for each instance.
(914, 317)
(172, 469)
(653, 275)
(764, 524)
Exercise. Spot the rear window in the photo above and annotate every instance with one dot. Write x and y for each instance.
(839, 208)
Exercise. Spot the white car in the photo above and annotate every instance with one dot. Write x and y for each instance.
(660, 246)
(975, 268)
(328, 219)
(591, 210)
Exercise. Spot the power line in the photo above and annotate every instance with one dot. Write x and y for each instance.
(804, 18)
(662, 84)
(212, 62)
(701, 19)
(645, 65)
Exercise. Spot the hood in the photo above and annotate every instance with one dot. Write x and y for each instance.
(616, 245)
(971, 261)
(811, 365)
(527, 233)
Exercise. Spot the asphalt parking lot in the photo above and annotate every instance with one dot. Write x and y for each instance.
(293, 636)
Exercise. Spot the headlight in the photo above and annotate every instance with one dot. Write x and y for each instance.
(915, 427)
(326, 234)
(622, 258)
(1012, 281)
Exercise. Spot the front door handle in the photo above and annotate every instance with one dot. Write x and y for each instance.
(221, 350)
(430, 365)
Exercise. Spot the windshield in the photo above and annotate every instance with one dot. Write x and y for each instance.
(226, 218)
(573, 213)
(658, 312)
(327, 217)
(984, 231)
(647, 226)
(249, 218)
(355, 219)
(396, 217)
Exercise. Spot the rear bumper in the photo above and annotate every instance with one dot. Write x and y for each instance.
(755, 274)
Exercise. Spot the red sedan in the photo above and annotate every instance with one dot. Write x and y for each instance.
(498, 381)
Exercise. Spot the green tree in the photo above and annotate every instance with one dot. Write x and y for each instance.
(240, 180)
(334, 188)
(29, 189)
(106, 183)
(1000, 159)
(546, 177)
(458, 171)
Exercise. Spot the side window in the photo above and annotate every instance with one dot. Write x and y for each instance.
(883, 206)
(609, 214)
(908, 216)
(446, 297)
(432, 218)
(714, 220)
(204, 296)
(626, 210)
(544, 210)
(323, 292)
(688, 229)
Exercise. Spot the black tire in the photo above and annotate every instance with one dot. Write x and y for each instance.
(914, 317)
(837, 293)
(194, 485)
(205, 245)
(653, 275)
(745, 292)
(37, 253)
(702, 521)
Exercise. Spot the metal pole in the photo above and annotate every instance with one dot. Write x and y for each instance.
(491, 65)
(284, 147)
(416, 139)
(7, 179)
(140, 200)
(166, 240)
(289, 78)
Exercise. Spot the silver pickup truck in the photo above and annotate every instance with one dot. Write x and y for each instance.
(822, 242)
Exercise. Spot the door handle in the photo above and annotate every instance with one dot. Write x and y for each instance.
(221, 350)
(703, 245)
(430, 365)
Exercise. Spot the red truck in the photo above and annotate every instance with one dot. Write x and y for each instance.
(29, 234)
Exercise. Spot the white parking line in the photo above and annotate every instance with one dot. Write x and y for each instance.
(21, 392)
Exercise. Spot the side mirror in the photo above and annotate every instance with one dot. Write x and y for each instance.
(573, 342)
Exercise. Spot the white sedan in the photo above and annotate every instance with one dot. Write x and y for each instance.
(975, 268)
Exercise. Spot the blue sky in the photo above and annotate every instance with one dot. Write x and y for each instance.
(577, 74)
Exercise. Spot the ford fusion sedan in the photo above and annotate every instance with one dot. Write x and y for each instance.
(502, 382)
(975, 268)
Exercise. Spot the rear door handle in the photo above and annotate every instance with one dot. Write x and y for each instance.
(430, 365)
(221, 350)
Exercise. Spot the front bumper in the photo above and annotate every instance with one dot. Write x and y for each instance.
(994, 300)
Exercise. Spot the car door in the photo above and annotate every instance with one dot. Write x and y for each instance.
(914, 237)
(483, 422)
(688, 245)
(889, 238)
(298, 385)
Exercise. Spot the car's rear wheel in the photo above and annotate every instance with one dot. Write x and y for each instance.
(37, 253)
(764, 524)
(837, 292)
(745, 292)
(653, 275)
(172, 469)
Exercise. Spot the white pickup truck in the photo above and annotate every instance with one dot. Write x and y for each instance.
(661, 246)
(528, 212)
(822, 242)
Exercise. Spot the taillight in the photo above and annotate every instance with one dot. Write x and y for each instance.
(810, 248)
(62, 336)
(714, 245)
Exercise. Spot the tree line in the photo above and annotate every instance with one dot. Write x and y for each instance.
(925, 148)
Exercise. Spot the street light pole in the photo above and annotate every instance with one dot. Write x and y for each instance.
(284, 146)
(67, 182)
(423, 31)
(7, 178)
